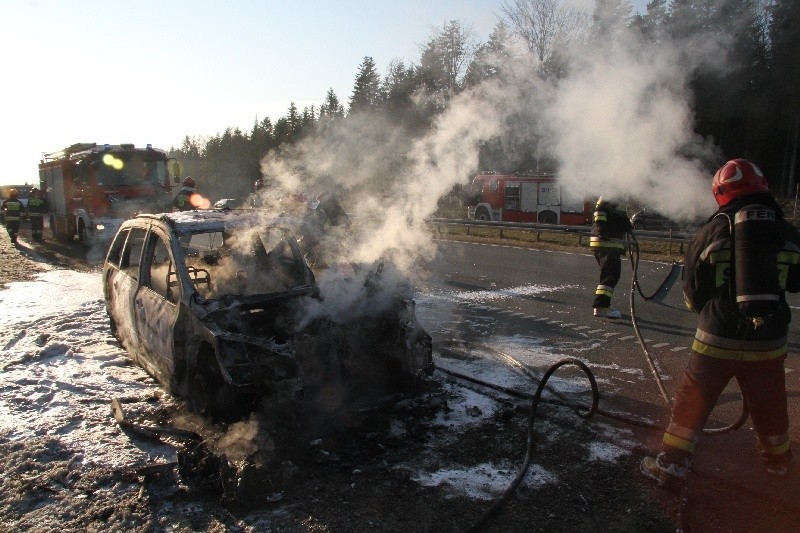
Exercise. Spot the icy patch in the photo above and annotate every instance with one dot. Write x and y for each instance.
(492, 295)
(605, 451)
(61, 368)
(486, 362)
(52, 293)
(467, 408)
(482, 482)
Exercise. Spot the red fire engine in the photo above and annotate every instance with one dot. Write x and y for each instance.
(525, 198)
(91, 189)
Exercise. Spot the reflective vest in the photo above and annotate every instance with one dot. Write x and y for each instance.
(13, 209)
(36, 206)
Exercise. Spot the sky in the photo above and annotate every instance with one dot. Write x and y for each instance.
(154, 72)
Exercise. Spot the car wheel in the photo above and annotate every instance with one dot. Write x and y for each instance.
(210, 396)
(482, 214)
(639, 225)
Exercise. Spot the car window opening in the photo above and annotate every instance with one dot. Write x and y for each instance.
(241, 263)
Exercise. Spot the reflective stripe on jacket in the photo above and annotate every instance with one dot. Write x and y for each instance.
(36, 207)
(609, 226)
(13, 209)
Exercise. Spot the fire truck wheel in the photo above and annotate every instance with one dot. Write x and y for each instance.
(482, 214)
(548, 217)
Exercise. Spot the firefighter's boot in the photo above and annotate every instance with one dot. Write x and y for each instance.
(671, 476)
(777, 465)
(607, 312)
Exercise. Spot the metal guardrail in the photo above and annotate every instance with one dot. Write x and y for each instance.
(680, 238)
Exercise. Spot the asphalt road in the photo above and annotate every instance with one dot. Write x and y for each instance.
(489, 295)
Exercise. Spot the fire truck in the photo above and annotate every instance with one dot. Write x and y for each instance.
(525, 198)
(91, 188)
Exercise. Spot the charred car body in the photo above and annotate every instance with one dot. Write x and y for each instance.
(215, 305)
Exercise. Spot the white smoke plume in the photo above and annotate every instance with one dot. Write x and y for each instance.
(618, 124)
(622, 127)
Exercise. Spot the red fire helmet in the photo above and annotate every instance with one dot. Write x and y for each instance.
(737, 177)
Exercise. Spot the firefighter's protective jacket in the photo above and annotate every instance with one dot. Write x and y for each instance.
(722, 330)
(37, 206)
(12, 210)
(181, 201)
(609, 226)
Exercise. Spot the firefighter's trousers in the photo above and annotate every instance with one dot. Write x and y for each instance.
(37, 225)
(610, 261)
(763, 384)
(12, 227)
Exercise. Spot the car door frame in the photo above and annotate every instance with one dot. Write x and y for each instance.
(122, 288)
(156, 315)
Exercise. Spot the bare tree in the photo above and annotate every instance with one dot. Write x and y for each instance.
(446, 55)
(540, 23)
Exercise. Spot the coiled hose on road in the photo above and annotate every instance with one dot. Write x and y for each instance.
(633, 249)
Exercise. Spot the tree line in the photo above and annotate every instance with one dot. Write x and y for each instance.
(746, 101)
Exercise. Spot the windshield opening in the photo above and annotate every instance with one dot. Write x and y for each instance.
(242, 262)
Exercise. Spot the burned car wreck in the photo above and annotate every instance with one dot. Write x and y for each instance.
(222, 309)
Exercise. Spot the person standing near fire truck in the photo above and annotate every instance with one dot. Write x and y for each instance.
(182, 200)
(37, 205)
(737, 271)
(609, 226)
(12, 209)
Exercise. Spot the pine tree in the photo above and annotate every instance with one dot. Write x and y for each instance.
(367, 89)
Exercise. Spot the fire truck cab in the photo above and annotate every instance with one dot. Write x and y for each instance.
(525, 198)
(91, 189)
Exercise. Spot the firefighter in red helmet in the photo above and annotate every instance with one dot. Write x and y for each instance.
(182, 200)
(736, 272)
(12, 209)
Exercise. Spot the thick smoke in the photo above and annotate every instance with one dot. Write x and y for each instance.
(621, 126)
(618, 124)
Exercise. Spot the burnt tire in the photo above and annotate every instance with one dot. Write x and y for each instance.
(482, 214)
(210, 396)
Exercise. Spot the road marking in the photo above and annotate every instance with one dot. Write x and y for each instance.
(680, 348)
(595, 331)
(568, 325)
(612, 334)
(579, 328)
(627, 337)
(660, 345)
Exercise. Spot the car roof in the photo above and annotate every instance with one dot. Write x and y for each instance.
(209, 220)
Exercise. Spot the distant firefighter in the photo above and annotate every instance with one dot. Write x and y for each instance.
(608, 231)
(12, 209)
(37, 206)
(182, 200)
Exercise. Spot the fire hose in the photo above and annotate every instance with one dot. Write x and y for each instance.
(633, 251)
(633, 248)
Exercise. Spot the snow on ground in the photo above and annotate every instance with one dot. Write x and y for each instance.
(61, 368)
